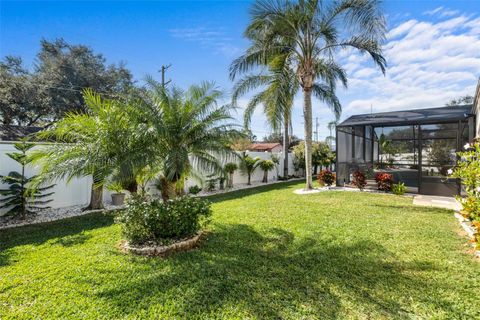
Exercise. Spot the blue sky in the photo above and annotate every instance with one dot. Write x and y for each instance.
(432, 50)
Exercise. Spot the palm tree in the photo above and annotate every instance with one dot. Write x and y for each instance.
(248, 166)
(90, 144)
(190, 132)
(331, 127)
(279, 86)
(230, 170)
(308, 34)
(266, 165)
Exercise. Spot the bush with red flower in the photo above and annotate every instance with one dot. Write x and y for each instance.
(384, 181)
(359, 180)
(326, 178)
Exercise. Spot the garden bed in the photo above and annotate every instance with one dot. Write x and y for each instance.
(163, 250)
(51, 215)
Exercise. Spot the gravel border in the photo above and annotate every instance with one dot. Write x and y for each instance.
(162, 250)
(53, 214)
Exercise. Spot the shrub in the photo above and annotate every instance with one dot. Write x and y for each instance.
(359, 179)
(326, 177)
(399, 188)
(468, 171)
(384, 181)
(211, 184)
(157, 221)
(194, 190)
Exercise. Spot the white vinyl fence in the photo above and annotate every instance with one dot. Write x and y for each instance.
(77, 191)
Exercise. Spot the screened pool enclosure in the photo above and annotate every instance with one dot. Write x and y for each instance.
(417, 146)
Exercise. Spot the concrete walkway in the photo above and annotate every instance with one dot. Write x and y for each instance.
(437, 201)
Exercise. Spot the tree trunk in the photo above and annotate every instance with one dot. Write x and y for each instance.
(96, 198)
(249, 176)
(265, 176)
(167, 189)
(307, 114)
(286, 144)
(230, 180)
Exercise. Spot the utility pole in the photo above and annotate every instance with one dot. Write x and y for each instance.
(162, 70)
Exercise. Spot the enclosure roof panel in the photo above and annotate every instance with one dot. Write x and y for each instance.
(410, 117)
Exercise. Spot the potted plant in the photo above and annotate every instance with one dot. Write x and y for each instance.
(118, 197)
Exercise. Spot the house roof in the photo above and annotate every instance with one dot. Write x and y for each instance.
(15, 133)
(410, 117)
(264, 146)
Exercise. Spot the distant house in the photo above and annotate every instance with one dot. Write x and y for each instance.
(266, 147)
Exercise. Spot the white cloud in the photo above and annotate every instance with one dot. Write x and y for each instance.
(209, 38)
(429, 63)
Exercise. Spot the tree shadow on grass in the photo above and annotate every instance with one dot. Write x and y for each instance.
(67, 232)
(270, 275)
(238, 194)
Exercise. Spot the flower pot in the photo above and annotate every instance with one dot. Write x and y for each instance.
(118, 199)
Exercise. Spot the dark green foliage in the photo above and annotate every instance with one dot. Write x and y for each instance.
(156, 221)
(194, 189)
(20, 199)
(54, 87)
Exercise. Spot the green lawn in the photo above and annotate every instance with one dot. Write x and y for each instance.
(269, 254)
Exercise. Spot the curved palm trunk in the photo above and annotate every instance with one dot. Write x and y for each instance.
(286, 143)
(167, 189)
(307, 114)
(96, 198)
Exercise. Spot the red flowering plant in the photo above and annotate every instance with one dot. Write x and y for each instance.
(359, 180)
(326, 178)
(384, 181)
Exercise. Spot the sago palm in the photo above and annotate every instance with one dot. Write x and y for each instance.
(95, 144)
(310, 33)
(191, 132)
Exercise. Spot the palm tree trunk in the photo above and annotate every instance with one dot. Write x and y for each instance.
(96, 198)
(307, 114)
(249, 177)
(230, 180)
(167, 189)
(286, 143)
(265, 176)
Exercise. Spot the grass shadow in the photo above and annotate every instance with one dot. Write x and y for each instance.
(271, 275)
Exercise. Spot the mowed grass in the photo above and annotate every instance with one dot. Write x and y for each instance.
(269, 254)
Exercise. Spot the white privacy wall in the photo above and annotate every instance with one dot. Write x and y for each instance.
(76, 192)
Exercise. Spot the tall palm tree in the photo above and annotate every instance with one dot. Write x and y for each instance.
(309, 33)
(331, 127)
(190, 131)
(279, 86)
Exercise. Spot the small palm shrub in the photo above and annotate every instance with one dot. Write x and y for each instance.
(248, 166)
(230, 169)
(194, 189)
(399, 188)
(359, 179)
(326, 177)
(384, 181)
(266, 165)
(158, 222)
